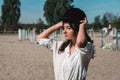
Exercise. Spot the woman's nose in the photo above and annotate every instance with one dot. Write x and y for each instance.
(64, 30)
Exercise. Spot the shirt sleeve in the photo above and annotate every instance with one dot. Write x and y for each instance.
(88, 49)
(46, 42)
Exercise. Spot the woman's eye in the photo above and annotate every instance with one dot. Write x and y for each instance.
(68, 27)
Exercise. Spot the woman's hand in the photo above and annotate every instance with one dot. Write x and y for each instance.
(83, 22)
(60, 24)
(50, 30)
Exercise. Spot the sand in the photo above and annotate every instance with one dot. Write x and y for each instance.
(23, 60)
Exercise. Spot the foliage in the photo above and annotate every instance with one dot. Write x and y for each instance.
(10, 12)
(97, 23)
(39, 26)
(0, 21)
(116, 21)
(100, 22)
(0, 25)
(54, 10)
(107, 18)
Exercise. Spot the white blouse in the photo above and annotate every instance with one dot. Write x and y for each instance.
(66, 66)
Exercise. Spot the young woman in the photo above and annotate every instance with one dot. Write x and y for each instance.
(72, 56)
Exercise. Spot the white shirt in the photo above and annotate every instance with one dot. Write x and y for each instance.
(69, 67)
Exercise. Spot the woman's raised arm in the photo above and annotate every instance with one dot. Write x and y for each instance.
(81, 37)
(50, 30)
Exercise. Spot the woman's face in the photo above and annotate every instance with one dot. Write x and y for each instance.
(68, 32)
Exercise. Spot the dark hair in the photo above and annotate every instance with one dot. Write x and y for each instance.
(73, 17)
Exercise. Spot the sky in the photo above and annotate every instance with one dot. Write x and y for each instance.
(32, 10)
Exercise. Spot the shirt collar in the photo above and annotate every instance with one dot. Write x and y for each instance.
(67, 49)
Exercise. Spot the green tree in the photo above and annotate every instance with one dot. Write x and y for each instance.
(97, 23)
(0, 21)
(40, 25)
(105, 21)
(54, 9)
(107, 18)
(116, 21)
(10, 12)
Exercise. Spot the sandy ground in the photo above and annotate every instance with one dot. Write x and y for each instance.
(23, 60)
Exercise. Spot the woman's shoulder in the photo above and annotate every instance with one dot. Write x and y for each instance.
(87, 49)
(89, 45)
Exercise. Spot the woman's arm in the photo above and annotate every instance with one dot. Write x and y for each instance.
(50, 30)
(81, 37)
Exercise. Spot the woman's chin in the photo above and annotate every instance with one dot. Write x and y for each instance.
(67, 39)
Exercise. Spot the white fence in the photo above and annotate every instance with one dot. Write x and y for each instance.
(28, 34)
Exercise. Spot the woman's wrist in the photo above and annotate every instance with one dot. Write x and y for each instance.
(83, 23)
(82, 26)
(59, 25)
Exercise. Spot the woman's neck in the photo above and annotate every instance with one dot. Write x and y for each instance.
(72, 47)
(73, 41)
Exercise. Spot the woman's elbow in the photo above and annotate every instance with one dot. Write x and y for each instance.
(81, 44)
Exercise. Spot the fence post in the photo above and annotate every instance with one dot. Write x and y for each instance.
(23, 33)
(33, 34)
(19, 34)
(102, 38)
(116, 38)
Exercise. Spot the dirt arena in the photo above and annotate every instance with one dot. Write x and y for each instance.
(23, 60)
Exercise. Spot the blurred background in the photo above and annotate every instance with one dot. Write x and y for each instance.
(15, 14)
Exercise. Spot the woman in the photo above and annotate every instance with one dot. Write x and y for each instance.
(72, 56)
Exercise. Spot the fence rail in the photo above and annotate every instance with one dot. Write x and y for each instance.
(8, 32)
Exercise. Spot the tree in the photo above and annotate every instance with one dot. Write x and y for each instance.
(54, 9)
(107, 18)
(40, 25)
(10, 12)
(97, 22)
(105, 21)
(0, 21)
(40, 21)
(116, 21)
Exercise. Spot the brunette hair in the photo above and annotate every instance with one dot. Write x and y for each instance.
(73, 17)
